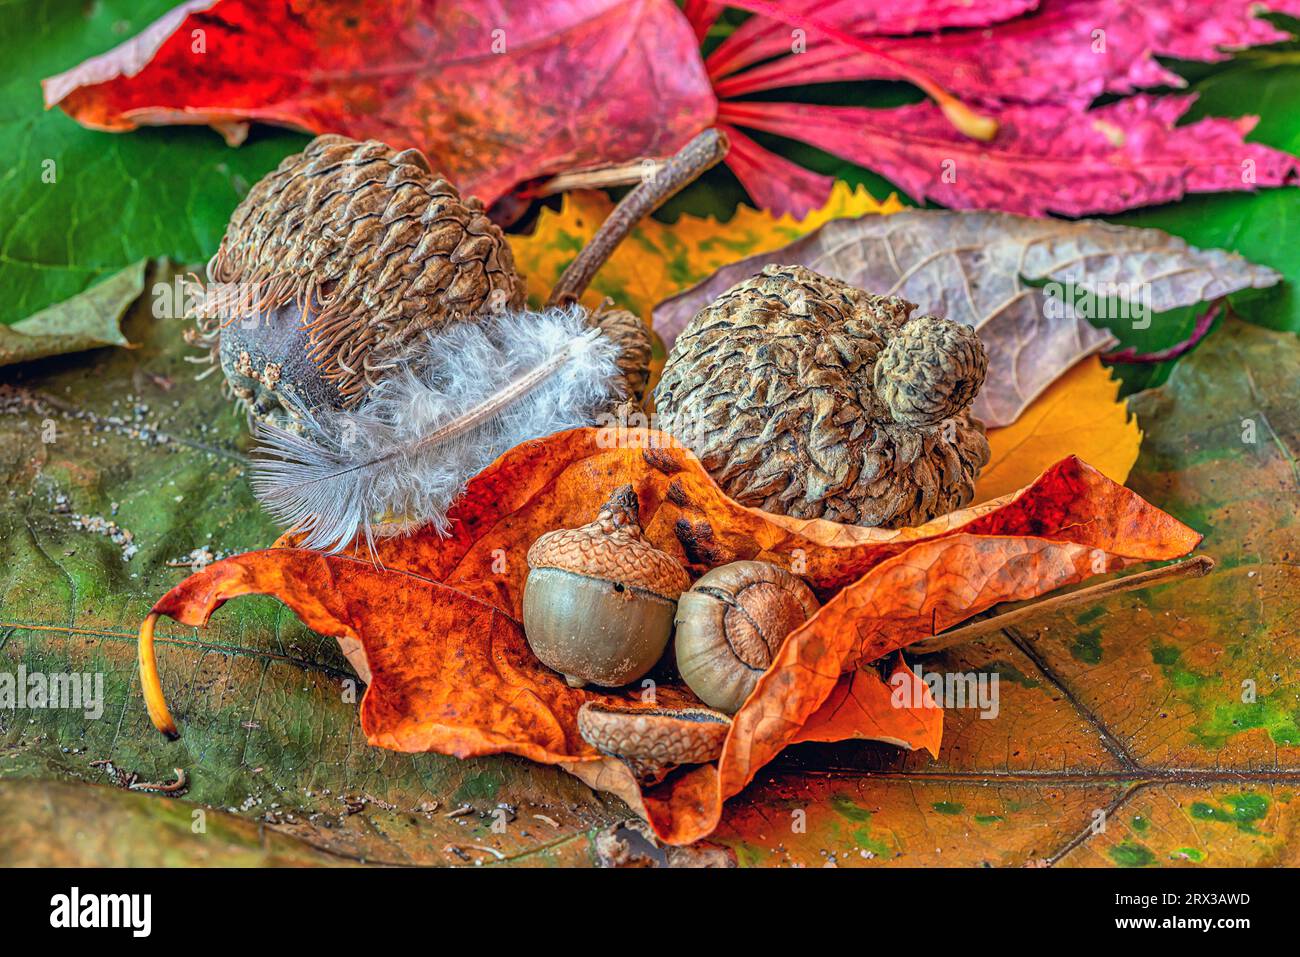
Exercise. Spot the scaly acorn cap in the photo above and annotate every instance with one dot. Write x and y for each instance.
(372, 246)
(804, 396)
(635, 348)
(612, 548)
(651, 739)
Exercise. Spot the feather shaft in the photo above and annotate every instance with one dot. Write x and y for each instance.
(507, 396)
(461, 398)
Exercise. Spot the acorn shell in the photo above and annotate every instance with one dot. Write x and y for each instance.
(592, 630)
(732, 623)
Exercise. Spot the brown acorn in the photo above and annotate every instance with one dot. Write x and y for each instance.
(339, 261)
(599, 600)
(730, 626)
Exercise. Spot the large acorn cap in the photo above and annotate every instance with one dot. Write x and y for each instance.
(805, 396)
(370, 246)
(612, 548)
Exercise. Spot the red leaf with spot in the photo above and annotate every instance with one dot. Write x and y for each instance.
(494, 93)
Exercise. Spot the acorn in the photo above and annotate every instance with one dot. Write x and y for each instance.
(599, 600)
(730, 626)
(338, 263)
(334, 264)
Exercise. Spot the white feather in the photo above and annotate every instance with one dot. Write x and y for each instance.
(473, 391)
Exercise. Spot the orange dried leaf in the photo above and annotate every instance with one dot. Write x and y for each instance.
(446, 672)
(864, 708)
(450, 671)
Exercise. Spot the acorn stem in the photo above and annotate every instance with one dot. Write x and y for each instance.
(622, 509)
(704, 151)
(1193, 567)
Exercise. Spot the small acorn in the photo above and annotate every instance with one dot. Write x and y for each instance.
(730, 626)
(599, 600)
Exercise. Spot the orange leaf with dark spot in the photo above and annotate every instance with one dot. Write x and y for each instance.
(437, 626)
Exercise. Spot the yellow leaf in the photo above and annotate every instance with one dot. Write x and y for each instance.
(658, 259)
(1079, 414)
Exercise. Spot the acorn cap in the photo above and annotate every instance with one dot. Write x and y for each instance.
(654, 737)
(373, 249)
(612, 548)
(635, 349)
(804, 396)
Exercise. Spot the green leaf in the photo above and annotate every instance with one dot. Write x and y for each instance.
(78, 206)
(86, 321)
(1263, 227)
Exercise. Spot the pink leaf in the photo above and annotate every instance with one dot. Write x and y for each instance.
(772, 181)
(1070, 51)
(761, 37)
(1044, 159)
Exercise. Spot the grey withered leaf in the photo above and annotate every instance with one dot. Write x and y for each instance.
(976, 267)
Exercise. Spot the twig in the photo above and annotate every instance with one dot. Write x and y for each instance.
(1193, 567)
(704, 151)
(170, 788)
(625, 174)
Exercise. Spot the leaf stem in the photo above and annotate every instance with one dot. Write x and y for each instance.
(150, 683)
(705, 150)
(1193, 567)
